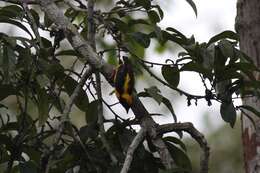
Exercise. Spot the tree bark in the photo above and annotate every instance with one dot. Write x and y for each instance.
(248, 28)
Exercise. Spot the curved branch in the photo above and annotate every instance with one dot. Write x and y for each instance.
(195, 134)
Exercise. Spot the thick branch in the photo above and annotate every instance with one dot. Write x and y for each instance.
(195, 134)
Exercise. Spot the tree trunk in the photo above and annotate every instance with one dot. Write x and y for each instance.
(248, 28)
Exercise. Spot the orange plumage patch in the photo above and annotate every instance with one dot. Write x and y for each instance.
(124, 83)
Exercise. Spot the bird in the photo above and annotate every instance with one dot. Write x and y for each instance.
(124, 83)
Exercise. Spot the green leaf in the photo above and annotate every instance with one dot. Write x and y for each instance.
(228, 113)
(12, 11)
(28, 167)
(81, 101)
(226, 34)
(154, 92)
(153, 16)
(92, 112)
(193, 5)
(181, 159)
(43, 106)
(141, 38)
(175, 141)
(13, 22)
(171, 74)
(7, 90)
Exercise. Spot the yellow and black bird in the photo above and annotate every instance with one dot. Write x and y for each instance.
(124, 83)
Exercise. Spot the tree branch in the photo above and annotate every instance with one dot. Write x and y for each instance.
(92, 41)
(195, 134)
(90, 56)
(130, 152)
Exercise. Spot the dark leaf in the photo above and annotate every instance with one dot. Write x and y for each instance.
(180, 157)
(160, 11)
(46, 43)
(7, 90)
(228, 113)
(28, 167)
(226, 34)
(171, 74)
(81, 101)
(174, 38)
(47, 21)
(35, 17)
(227, 49)
(168, 104)
(141, 38)
(88, 131)
(13, 22)
(92, 112)
(125, 138)
(175, 141)
(178, 33)
(43, 106)
(195, 67)
(154, 92)
(122, 26)
(174, 170)
(153, 16)
(144, 3)
(160, 98)
(12, 11)
(159, 35)
(137, 21)
(10, 126)
(193, 5)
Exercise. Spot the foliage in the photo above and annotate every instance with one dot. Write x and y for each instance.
(32, 75)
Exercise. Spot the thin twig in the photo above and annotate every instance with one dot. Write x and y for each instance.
(131, 149)
(195, 134)
(166, 84)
